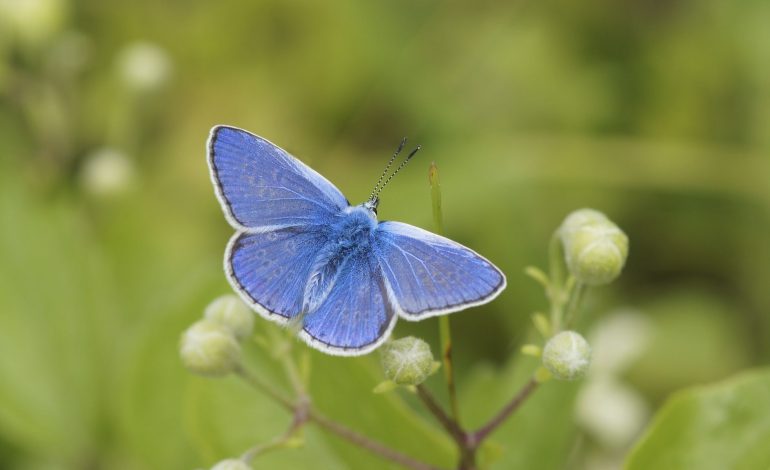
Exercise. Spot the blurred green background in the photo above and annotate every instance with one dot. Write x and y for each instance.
(111, 239)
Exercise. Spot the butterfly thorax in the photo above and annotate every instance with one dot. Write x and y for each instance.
(349, 237)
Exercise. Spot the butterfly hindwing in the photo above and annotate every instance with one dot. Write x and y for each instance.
(357, 315)
(431, 275)
(263, 187)
(270, 269)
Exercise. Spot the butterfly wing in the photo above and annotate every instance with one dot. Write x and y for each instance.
(270, 269)
(261, 187)
(428, 275)
(356, 316)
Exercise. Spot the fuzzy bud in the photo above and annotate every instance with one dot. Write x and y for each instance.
(567, 356)
(230, 312)
(210, 349)
(231, 464)
(595, 248)
(407, 361)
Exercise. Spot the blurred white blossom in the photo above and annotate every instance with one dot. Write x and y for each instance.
(618, 340)
(612, 412)
(32, 21)
(107, 171)
(144, 66)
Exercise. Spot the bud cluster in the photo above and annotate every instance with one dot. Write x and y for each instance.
(595, 248)
(210, 347)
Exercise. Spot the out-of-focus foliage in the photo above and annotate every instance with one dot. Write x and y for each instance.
(719, 426)
(656, 113)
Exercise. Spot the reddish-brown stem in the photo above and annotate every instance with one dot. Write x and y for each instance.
(366, 443)
(449, 424)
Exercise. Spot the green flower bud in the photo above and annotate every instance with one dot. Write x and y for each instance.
(230, 312)
(231, 464)
(209, 349)
(567, 356)
(407, 361)
(595, 248)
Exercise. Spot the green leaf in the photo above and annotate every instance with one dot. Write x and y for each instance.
(725, 425)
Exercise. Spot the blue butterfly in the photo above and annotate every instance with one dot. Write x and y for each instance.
(303, 254)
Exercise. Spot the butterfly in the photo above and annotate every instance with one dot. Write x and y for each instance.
(303, 255)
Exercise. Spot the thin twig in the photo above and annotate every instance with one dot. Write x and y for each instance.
(304, 412)
(483, 432)
(368, 444)
(446, 421)
(299, 420)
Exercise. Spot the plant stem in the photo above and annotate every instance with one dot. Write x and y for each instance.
(483, 432)
(303, 412)
(263, 387)
(449, 424)
(575, 296)
(445, 332)
(366, 443)
(556, 276)
(299, 420)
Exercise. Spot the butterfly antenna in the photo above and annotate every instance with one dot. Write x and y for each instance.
(376, 189)
(401, 166)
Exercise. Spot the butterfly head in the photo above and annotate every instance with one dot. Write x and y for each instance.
(374, 199)
(372, 204)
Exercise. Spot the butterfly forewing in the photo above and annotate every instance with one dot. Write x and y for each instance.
(262, 187)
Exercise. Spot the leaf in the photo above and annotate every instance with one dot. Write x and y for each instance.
(725, 425)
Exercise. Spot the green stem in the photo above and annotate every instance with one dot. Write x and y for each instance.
(556, 276)
(445, 331)
(573, 302)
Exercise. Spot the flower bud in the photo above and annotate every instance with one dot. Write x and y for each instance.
(231, 464)
(208, 348)
(407, 361)
(567, 356)
(230, 312)
(595, 248)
